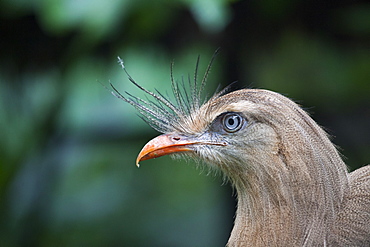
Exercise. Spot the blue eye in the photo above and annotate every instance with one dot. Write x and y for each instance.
(232, 122)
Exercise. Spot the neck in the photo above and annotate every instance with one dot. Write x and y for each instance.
(282, 206)
(265, 212)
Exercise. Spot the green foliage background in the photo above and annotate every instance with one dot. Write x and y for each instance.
(68, 147)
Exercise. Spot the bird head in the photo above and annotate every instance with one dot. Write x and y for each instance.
(227, 132)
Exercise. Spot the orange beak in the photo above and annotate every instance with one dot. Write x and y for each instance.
(164, 145)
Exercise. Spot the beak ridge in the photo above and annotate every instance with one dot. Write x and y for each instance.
(163, 145)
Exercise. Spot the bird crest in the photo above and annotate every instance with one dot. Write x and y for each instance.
(165, 115)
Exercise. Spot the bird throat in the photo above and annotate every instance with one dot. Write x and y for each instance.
(271, 207)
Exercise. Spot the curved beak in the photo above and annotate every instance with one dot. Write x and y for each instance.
(164, 145)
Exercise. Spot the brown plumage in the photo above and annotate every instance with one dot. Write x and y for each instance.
(293, 187)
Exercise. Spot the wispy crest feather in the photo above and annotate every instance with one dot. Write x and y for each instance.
(159, 111)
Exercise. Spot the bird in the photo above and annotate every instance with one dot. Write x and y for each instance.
(292, 186)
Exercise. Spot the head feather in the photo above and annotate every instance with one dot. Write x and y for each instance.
(160, 112)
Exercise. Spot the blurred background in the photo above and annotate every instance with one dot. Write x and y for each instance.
(68, 147)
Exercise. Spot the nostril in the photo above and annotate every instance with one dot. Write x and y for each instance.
(176, 138)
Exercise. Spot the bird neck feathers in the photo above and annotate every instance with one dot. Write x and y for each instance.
(293, 193)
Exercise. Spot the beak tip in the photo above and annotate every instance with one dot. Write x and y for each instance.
(137, 162)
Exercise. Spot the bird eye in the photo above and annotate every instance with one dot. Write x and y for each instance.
(232, 122)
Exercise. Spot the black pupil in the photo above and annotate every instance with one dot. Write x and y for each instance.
(231, 121)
